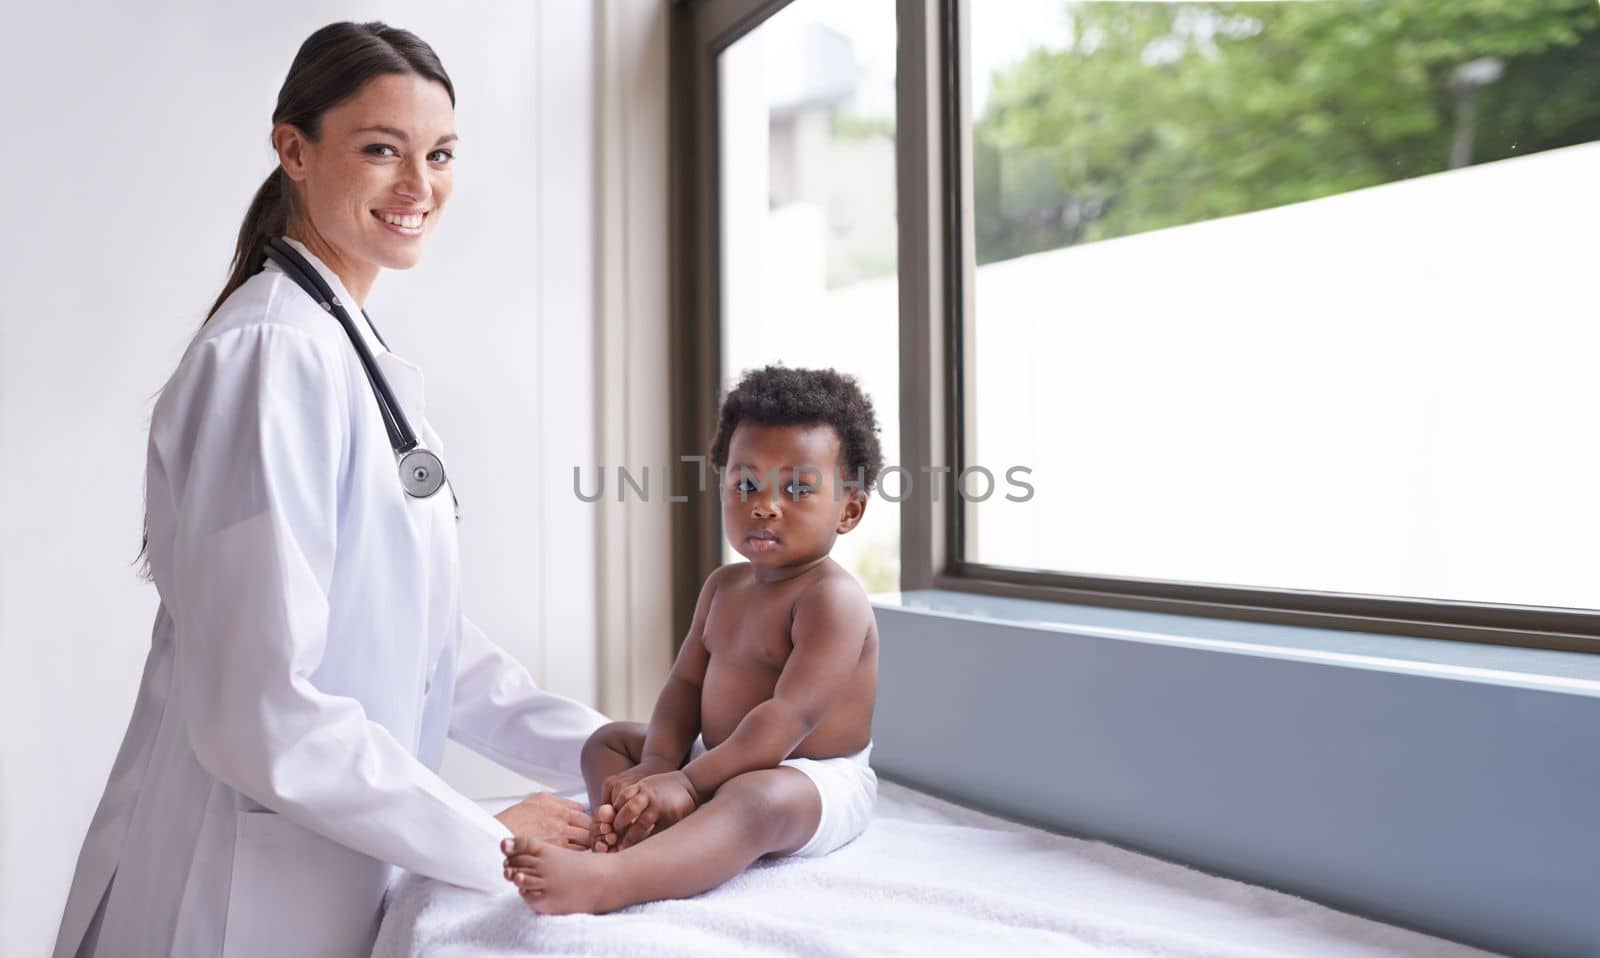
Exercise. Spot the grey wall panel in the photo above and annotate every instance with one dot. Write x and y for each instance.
(1462, 808)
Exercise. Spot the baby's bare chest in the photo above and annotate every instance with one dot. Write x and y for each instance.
(747, 635)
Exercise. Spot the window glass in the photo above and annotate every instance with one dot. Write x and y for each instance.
(1289, 295)
(808, 234)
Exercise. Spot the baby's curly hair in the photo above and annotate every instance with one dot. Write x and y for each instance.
(780, 396)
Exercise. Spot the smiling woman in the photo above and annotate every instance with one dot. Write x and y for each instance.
(309, 656)
(376, 179)
(359, 100)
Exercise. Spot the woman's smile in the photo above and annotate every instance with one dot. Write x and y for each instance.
(405, 222)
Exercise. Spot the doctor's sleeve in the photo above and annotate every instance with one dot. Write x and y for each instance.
(255, 442)
(500, 713)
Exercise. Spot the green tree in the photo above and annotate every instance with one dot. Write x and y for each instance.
(1160, 114)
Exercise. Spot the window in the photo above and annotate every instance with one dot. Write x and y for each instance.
(1288, 295)
(806, 188)
(1273, 310)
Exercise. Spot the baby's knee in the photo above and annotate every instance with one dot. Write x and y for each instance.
(612, 737)
(770, 800)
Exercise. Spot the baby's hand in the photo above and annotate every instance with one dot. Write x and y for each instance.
(613, 786)
(604, 837)
(654, 802)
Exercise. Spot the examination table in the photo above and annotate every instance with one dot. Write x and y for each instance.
(926, 878)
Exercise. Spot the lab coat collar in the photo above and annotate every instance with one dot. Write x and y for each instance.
(405, 378)
(334, 283)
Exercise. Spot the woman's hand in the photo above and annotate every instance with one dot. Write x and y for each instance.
(653, 803)
(547, 817)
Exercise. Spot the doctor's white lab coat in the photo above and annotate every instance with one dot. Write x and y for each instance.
(308, 660)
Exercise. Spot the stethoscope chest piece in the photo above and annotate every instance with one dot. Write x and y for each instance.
(421, 473)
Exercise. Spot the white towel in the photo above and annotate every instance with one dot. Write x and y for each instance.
(925, 878)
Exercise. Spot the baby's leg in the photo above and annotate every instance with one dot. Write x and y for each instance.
(612, 748)
(773, 810)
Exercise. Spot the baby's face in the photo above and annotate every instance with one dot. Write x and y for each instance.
(783, 502)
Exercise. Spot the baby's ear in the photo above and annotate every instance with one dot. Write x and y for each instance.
(855, 506)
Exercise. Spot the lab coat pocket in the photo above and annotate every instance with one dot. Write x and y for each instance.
(294, 892)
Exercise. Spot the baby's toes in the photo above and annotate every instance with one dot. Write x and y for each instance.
(604, 814)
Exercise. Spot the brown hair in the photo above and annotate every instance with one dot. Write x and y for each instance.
(332, 66)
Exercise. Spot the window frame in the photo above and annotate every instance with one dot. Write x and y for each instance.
(934, 200)
(700, 31)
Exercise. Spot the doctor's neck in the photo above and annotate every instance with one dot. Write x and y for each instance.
(356, 275)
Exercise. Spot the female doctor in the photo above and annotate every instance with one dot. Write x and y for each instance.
(309, 655)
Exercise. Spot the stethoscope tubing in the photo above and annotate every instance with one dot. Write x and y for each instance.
(418, 466)
(401, 436)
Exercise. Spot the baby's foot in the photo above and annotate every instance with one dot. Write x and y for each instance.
(558, 881)
(605, 836)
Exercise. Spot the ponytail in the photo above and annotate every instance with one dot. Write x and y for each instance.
(267, 217)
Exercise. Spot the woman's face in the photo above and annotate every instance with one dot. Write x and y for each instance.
(374, 183)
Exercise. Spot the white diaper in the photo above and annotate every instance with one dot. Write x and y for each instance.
(849, 790)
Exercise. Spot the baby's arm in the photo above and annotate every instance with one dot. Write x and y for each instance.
(831, 623)
(676, 719)
(673, 724)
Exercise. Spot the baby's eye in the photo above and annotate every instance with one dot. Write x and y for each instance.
(794, 489)
(747, 486)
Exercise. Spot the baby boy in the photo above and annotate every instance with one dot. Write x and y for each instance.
(758, 744)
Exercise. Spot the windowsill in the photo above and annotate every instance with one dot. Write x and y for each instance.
(1443, 786)
(1575, 672)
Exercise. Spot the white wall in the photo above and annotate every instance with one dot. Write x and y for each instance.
(136, 135)
(633, 358)
(1386, 391)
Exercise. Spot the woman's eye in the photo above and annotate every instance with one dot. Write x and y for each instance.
(444, 156)
(377, 148)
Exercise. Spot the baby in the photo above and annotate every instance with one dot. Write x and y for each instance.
(777, 675)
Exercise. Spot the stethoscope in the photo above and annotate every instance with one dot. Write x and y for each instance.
(421, 472)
